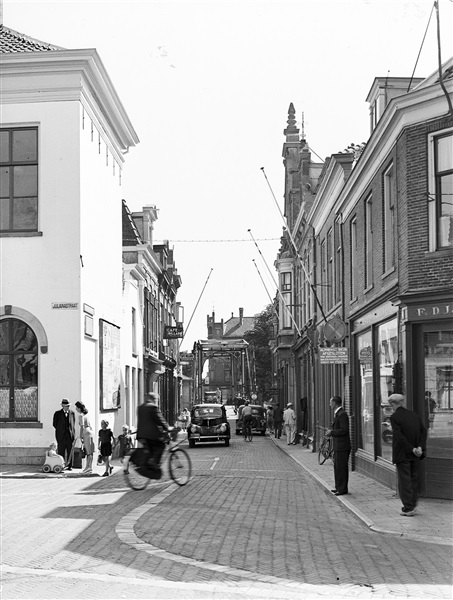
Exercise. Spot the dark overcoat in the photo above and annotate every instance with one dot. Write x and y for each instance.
(150, 422)
(408, 433)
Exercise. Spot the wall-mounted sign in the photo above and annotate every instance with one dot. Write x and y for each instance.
(65, 305)
(109, 365)
(430, 311)
(173, 332)
(333, 356)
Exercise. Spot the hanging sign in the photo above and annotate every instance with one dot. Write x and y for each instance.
(173, 332)
(333, 356)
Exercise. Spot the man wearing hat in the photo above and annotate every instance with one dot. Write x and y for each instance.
(408, 449)
(64, 424)
(289, 420)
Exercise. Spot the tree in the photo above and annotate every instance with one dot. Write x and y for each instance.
(258, 339)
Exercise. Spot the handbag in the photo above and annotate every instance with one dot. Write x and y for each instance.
(100, 459)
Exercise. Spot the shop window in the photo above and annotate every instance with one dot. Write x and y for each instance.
(18, 371)
(19, 180)
(365, 393)
(440, 196)
(387, 355)
(438, 376)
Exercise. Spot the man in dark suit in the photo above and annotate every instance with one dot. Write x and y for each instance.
(409, 446)
(341, 446)
(64, 424)
(151, 426)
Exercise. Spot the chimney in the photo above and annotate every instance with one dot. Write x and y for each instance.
(241, 316)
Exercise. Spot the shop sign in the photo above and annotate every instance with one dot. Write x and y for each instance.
(171, 333)
(430, 311)
(333, 356)
(366, 355)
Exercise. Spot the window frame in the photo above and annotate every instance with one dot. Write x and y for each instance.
(434, 179)
(388, 219)
(12, 199)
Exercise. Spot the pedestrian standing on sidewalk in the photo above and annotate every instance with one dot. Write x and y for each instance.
(105, 446)
(278, 421)
(64, 424)
(87, 436)
(270, 418)
(289, 420)
(341, 445)
(409, 447)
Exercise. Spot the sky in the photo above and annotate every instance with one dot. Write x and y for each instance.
(207, 86)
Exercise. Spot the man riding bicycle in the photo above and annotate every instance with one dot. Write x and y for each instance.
(151, 427)
(247, 417)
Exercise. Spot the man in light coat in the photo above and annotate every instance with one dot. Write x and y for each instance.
(289, 421)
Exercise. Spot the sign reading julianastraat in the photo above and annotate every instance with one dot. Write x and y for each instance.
(65, 305)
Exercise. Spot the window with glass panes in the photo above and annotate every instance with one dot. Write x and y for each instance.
(19, 180)
(18, 371)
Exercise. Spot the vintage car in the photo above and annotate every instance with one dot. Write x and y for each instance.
(259, 419)
(208, 423)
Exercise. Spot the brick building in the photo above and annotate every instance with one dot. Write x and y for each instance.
(375, 241)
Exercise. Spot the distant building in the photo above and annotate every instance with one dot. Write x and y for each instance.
(225, 372)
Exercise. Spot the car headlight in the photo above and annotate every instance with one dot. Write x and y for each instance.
(223, 428)
(194, 429)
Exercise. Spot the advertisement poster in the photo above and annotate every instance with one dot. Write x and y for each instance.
(109, 361)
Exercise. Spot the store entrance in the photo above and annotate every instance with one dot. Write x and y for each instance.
(433, 396)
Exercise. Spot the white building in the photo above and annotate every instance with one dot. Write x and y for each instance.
(64, 133)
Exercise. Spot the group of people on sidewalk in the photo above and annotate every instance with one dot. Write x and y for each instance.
(74, 435)
(408, 439)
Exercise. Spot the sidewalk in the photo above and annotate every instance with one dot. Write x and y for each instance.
(378, 506)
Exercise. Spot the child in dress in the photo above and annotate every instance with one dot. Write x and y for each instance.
(125, 442)
(105, 446)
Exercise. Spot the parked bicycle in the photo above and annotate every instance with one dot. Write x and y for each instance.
(325, 450)
(140, 466)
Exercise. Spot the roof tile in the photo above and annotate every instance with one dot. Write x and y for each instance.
(14, 42)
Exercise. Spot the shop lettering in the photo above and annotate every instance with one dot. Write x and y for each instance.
(433, 311)
(426, 312)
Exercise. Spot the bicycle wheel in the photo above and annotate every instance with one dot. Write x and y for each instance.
(134, 478)
(180, 466)
(323, 453)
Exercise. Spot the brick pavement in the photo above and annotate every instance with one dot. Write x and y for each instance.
(250, 523)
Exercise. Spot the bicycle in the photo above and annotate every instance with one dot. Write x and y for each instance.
(140, 467)
(247, 431)
(325, 450)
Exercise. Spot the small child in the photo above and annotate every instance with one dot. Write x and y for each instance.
(126, 444)
(105, 446)
(52, 451)
(54, 462)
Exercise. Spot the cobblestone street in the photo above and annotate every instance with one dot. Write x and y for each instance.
(252, 522)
